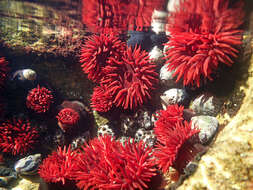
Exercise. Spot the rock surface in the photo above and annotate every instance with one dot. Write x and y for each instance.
(228, 164)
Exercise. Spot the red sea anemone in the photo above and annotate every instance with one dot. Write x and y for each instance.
(107, 164)
(3, 70)
(101, 100)
(58, 166)
(177, 147)
(130, 81)
(203, 34)
(167, 119)
(97, 52)
(17, 136)
(67, 118)
(39, 99)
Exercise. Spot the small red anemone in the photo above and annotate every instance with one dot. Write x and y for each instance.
(39, 99)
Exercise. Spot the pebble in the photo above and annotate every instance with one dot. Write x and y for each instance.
(174, 96)
(28, 165)
(146, 136)
(208, 126)
(166, 77)
(206, 104)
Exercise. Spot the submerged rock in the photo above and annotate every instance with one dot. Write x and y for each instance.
(28, 165)
(32, 27)
(208, 126)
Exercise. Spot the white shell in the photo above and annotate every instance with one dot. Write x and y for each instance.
(29, 74)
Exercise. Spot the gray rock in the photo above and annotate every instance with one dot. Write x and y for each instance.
(174, 96)
(28, 165)
(208, 126)
(206, 104)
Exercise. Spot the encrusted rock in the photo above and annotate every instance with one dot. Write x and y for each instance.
(208, 126)
(145, 135)
(105, 130)
(206, 104)
(174, 96)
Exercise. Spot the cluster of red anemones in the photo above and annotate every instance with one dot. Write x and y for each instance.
(176, 140)
(104, 163)
(126, 75)
(119, 16)
(17, 136)
(203, 34)
(107, 164)
(59, 166)
(3, 70)
(39, 99)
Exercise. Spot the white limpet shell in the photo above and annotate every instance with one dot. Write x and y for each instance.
(29, 74)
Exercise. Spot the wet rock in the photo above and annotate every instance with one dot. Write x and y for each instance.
(174, 96)
(146, 136)
(166, 77)
(28, 165)
(206, 104)
(208, 126)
